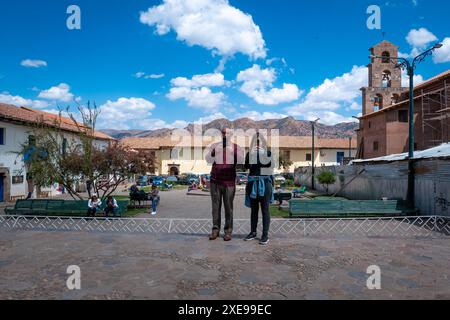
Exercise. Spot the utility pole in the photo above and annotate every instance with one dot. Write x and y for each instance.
(350, 148)
(313, 155)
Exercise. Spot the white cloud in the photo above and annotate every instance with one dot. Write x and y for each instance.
(202, 98)
(29, 63)
(155, 76)
(328, 117)
(418, 79)
(213, 24)
(155, 124)
(258, 85)
(338, 94)
(197, 92)
(332, 95)
(141, 74)
(125, 113)
(420, 38)
(258, 116)
(203, 80)
(212, 117)
(442, 55)
(21, 102)
(60, 92)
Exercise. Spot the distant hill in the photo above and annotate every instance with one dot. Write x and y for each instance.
(287, 127)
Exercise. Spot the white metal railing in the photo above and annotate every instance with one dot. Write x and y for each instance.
(422, 226)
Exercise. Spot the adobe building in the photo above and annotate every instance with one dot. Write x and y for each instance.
(384, 121)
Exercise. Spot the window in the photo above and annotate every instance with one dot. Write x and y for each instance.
(395, 98)
(386, 79)
(378, 102)
(287, 155)
(64, 146)
(375, 146)
(370, 124)
(2, 136)
(308, 157)
(31, 140)
(386, 57)
(403, 116)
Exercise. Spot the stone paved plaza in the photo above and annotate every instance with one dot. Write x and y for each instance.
(151, 266)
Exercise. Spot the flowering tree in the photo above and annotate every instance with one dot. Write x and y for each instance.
(51, 157)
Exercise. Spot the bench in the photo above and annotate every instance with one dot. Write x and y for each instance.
(282, 196)
(344, 208)
(62, 208)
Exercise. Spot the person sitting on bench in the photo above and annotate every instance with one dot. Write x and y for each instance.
(93, 205)
(111, 207)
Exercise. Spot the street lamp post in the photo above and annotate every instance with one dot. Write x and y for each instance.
(313, 156)
(349, 148)
(410, 66)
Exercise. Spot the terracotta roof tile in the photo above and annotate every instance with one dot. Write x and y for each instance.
(285, 142)
(33, 116)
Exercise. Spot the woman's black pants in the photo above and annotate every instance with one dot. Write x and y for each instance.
(264, 204)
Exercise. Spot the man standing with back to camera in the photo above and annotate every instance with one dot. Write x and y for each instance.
(224, 157)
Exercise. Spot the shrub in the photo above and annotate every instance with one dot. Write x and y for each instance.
(326, 178)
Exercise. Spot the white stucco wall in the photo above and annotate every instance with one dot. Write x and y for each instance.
(15, 136)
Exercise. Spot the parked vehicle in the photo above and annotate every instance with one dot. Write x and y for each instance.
(172, 179)
(158, 181)
(241, 179)
(142, 181)
(279, 178)
(188, 178)
(288, 176)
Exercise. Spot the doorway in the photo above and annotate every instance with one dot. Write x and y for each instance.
(174, 171)
(340, 157)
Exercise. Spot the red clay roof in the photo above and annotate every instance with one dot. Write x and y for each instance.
(285, 142)
(33, 116)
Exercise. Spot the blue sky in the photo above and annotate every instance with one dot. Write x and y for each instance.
(151, 64)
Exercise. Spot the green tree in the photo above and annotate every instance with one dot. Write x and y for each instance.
(51, 157)
(326, 178)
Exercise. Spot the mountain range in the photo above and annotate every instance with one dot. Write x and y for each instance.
(286, 126)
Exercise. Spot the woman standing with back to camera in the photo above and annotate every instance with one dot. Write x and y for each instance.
(259, 190)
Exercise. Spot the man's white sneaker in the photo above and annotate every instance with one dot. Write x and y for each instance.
(153, 213)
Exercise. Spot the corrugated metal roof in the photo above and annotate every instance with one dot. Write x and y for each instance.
(442, 151)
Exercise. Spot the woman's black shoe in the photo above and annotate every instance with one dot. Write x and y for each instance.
(250, 237)
(264, 240)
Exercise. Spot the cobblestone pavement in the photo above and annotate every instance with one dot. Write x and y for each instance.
(140, 266)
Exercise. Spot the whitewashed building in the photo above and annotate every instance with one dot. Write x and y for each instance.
(15, 131)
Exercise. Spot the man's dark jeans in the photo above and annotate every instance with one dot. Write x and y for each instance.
(226, 195)
(264, 203)
(111, 210)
